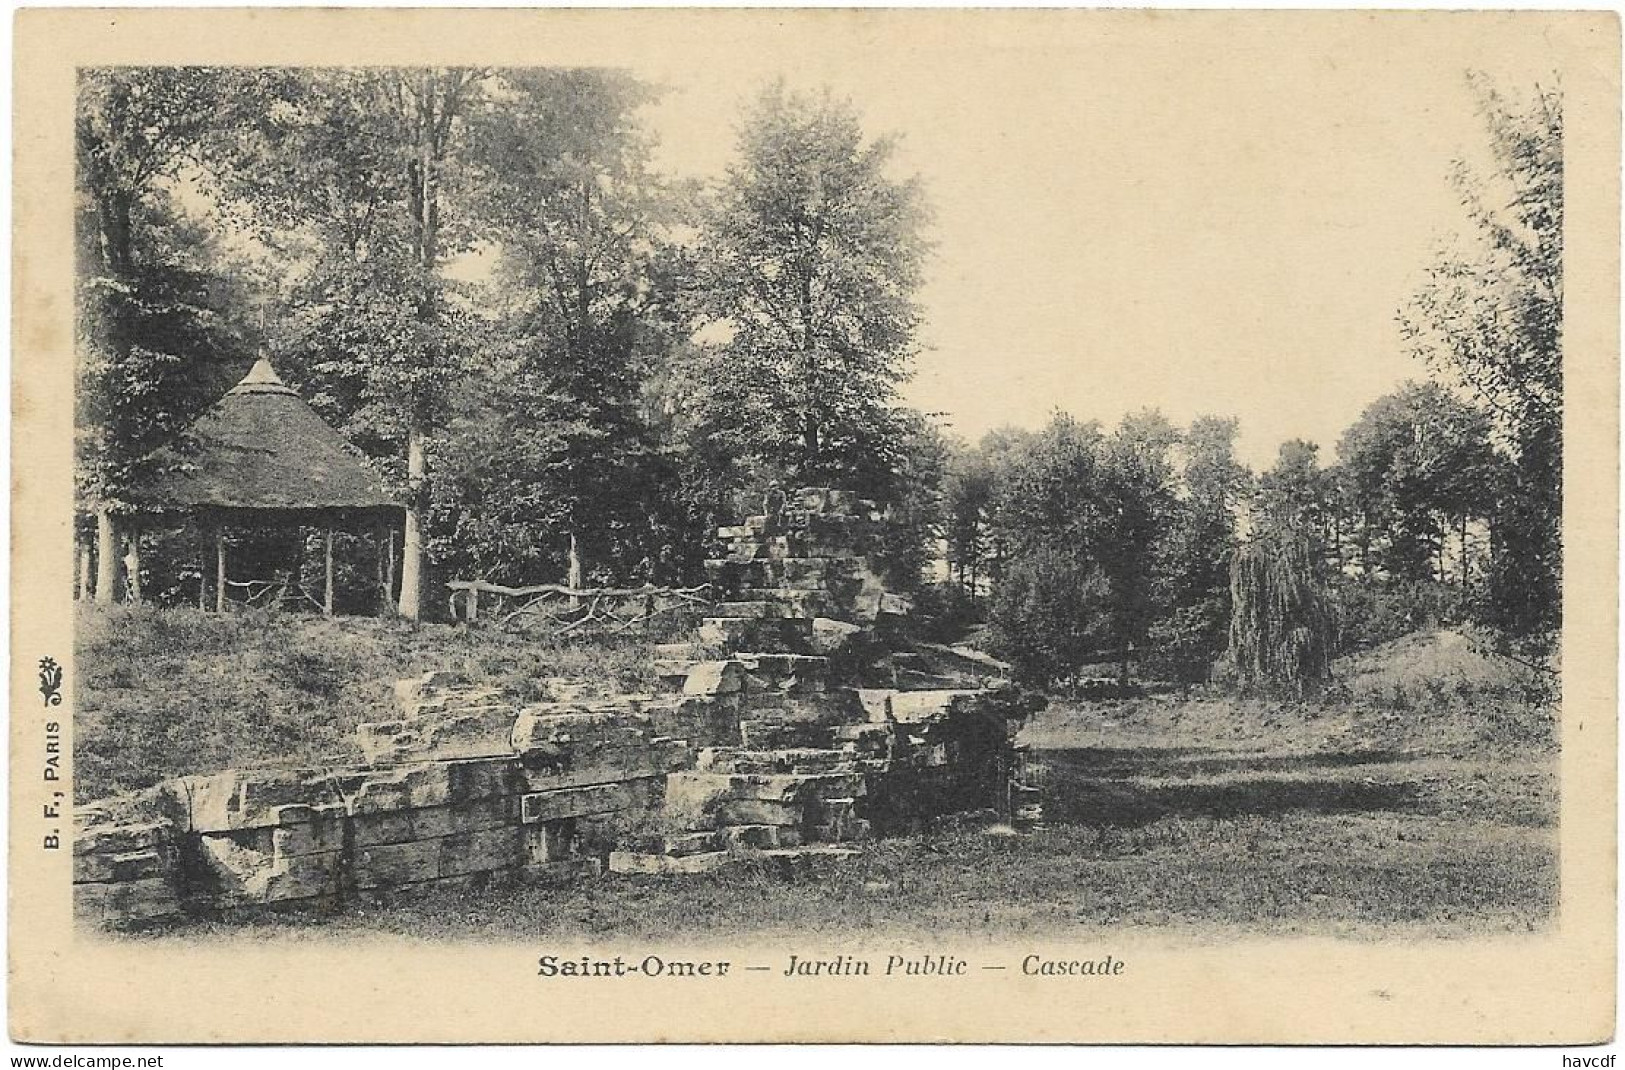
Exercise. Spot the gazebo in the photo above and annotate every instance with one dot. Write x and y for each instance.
(261, 458)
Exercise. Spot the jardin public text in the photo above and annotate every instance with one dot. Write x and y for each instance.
(798, 966)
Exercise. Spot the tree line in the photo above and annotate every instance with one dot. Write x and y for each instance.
(571, 364)
(1442, 504)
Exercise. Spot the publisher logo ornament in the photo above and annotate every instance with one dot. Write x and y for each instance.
(50, 681)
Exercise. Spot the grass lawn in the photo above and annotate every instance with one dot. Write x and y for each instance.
(1420, 795)
(1312, 872)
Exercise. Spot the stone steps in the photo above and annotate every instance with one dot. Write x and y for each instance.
(788, 635)
(754, 671)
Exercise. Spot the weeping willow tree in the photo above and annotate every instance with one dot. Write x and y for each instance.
(1282, 627)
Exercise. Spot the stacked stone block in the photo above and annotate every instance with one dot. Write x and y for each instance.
(125, 858)
(539, 793)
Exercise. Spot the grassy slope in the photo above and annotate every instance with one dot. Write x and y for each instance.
(165, 692)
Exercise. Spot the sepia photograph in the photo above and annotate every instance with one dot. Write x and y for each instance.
(764, 509)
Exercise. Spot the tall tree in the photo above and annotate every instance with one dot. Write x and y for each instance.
(969, 488)
(151, 295)
(1491, 315)
(913, 520)
(1193, 551)
(1051, 608)
(814, 254)
(1283, 627)
(1139, 508)
(1414, 461)
(564, 182)
(1293, 494)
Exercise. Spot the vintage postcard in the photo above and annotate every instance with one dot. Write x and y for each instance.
(814, 525)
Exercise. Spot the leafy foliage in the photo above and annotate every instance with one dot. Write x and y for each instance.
(1414, 461)
(812, 257)
(154, 292)
(1107, 545)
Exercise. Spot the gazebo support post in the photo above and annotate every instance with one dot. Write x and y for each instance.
(378, 562)
(389, 571)
(84, 570)
(219, 569)
(327, 590)
(203, 570)
(132, 563)
(106, 557)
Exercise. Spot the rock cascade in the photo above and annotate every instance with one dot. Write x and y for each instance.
(811, 759)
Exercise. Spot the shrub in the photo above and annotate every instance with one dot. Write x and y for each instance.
(1185, 644)
(944, 612)
(1048, 615)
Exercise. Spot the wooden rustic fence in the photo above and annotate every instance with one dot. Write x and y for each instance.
(561, 610)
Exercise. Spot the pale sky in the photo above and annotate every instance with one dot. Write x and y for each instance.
(1195, 214)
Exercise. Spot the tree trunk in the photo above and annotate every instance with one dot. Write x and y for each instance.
(809, 439)
(327, 588)
(1466, 561)
(382, 544)
(113, 210)
(106, 558)
(411, 603)
(84, 573)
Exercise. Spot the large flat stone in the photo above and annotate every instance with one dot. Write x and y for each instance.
(252, 798)
(309, 837)
(402, 826)
(605, 765)
(791, 760)
(714, 678)
(749, 837)
(750, 633)
(463, 732)
(774, 787)
(405, 787)
(552, 727)
(913, 707)
(683, 844)
(763, 812)
(482, 851)
(399, 863)
(119, 839)
(597, 799)
(125, 902)
(123, 866)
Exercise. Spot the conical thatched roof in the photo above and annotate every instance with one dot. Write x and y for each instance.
(261, 450)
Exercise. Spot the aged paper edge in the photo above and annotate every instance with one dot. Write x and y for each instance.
(1554, 988)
